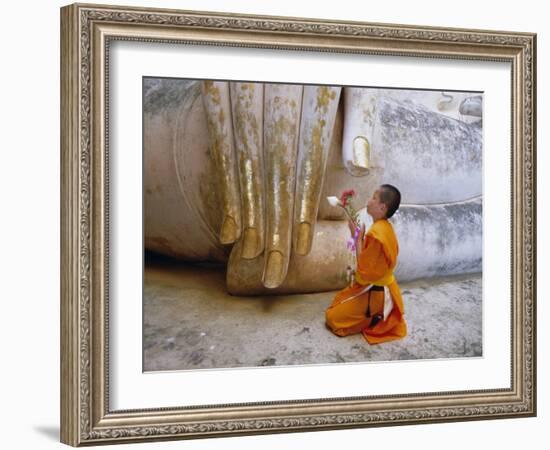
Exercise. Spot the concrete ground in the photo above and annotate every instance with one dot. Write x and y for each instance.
(190, 322)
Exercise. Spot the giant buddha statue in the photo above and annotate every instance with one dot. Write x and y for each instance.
(239, 172)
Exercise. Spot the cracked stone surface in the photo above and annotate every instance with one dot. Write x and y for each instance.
(191, 322)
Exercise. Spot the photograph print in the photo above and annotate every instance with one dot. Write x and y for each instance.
(293, 224)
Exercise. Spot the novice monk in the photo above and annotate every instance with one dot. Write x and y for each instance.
(373, 304)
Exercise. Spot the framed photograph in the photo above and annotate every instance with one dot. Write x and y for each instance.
(276, 224)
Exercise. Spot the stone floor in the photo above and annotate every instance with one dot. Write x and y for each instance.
(190, 322)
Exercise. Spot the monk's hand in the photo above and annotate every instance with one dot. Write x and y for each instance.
(270, 143)
(361, 237)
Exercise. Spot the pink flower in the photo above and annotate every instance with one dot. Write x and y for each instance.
(346, 196)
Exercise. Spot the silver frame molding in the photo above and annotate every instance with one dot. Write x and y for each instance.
(86, 31)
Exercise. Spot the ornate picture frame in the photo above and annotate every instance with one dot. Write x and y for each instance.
(86, 34)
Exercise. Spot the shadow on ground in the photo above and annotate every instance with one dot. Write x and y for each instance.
(50, 432)
(191, 322)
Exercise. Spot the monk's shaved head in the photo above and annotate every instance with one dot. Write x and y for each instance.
(391, 197)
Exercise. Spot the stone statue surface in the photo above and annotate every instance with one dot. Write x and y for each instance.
(238, 173)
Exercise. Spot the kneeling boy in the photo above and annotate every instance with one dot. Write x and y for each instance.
(373, 305)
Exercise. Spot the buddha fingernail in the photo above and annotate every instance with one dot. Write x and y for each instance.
(303, 244)
(273, 274)
(229, 232)
(361, 152)
(251, 244)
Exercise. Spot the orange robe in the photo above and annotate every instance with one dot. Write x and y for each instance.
(347, 313)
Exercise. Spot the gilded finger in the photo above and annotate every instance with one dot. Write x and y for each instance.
(216, 101)
(360, 109)
(282, 105)
(319, 107)
(247, 112)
